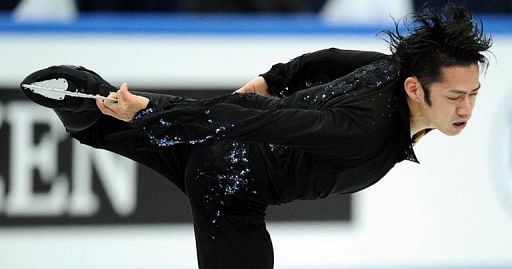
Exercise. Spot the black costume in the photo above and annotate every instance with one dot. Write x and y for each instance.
(341, 124)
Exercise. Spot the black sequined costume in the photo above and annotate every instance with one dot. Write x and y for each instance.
(341, 124)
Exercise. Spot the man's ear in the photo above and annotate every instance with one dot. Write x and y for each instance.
(413, 88)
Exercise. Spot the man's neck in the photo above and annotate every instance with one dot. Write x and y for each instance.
(417, 119)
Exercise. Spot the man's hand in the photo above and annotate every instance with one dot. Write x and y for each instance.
(127, 104)
(257, 85)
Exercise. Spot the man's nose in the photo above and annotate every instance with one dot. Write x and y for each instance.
(464, 107)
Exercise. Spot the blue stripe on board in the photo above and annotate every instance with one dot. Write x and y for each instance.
(160, 23)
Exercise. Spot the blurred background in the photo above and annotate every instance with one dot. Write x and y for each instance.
(65, 205)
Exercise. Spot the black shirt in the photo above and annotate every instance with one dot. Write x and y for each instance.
(341, 124)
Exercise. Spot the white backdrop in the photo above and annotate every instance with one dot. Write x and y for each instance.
(455, 209)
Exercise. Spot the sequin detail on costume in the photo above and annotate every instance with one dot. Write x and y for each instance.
(167, 141)
(278, 149)
(143, 113)
(234, 176)
(385, 72)
(165, 127)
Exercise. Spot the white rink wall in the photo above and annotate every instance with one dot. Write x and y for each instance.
(453, 210)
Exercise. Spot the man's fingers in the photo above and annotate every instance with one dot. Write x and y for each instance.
(112, 105)
(122, 109)
(105, 110)
(112, 95)
(102, 105)
(99, 103)
(245, 89)
(123, 93)
(124, 87)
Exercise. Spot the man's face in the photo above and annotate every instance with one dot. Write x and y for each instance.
(453, 98)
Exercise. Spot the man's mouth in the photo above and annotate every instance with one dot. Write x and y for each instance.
(460, 125)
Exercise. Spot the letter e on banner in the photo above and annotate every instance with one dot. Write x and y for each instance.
(27, 156)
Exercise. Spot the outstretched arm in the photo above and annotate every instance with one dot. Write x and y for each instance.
(330, 131)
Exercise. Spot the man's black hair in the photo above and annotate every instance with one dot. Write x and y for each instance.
(438, 38)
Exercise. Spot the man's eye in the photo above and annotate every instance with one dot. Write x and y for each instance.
(454, 98)
(474, 94)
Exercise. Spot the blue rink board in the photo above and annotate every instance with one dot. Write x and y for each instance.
(177, 23)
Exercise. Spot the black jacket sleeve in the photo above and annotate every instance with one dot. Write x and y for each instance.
(329, 131)
(315, 68)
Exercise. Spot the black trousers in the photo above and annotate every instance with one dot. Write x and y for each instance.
(228, 192)
(228, 196)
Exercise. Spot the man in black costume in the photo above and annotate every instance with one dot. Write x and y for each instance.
(327, 122)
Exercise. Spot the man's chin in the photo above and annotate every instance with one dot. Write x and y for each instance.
(450, 131)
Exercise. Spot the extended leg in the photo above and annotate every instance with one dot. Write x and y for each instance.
(83, 120)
